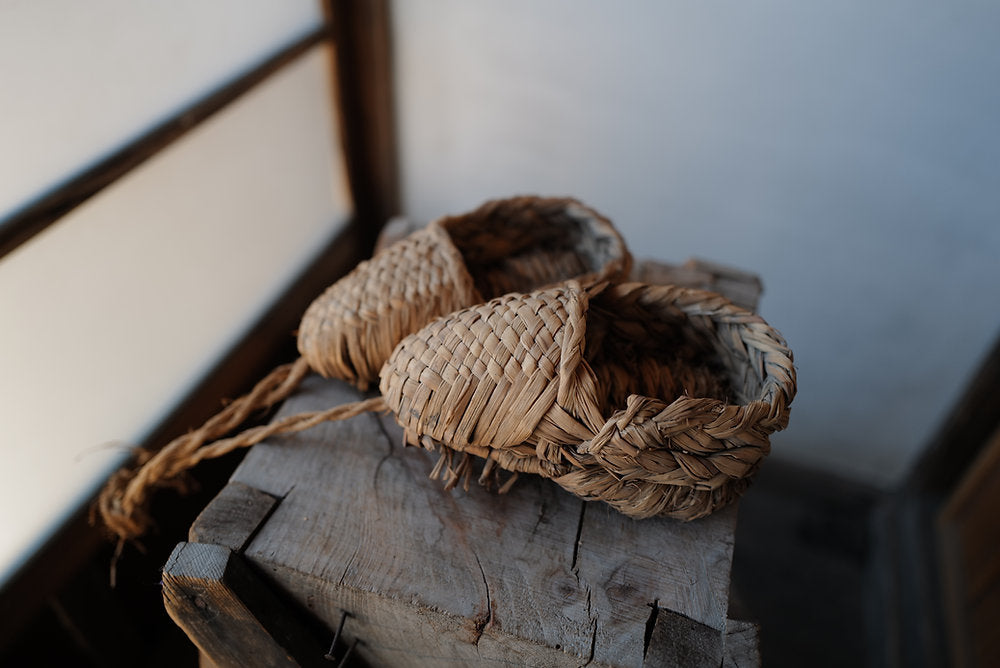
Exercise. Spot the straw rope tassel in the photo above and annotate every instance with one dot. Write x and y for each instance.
(122, 503)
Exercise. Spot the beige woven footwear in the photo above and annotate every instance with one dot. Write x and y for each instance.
(517, 244)
(658, 400)
(521, 243)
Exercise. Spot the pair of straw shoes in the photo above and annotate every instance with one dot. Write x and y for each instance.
(511, 335)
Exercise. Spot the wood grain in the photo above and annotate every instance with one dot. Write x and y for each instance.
(742, 645)
(534, 577)
(343, 518)
(230, 613)
(233, 517)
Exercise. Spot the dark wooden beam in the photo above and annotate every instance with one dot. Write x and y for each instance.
(967, 429)
(364, 90)
(907, 562)
(24, 224)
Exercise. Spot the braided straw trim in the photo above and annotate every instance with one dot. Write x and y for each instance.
(529, 380)
(515, 244)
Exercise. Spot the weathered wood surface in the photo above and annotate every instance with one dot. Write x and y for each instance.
(742, 645)
(430, 577)
(233, 517)
(230, 613)
(343, 518)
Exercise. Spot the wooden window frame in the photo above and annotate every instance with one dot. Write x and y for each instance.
(359, 35)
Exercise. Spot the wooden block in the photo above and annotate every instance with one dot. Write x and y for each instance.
(230, 613)
(430, 577)
(679, 641)
(342, 518)
(742, 645)
(233, 517)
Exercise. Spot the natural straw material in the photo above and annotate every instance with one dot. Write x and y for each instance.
(657, 400)
(517, 244)
(123, 502)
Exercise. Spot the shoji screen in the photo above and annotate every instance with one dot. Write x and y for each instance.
(111, 314)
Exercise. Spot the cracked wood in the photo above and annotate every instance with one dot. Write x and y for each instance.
(535, 577)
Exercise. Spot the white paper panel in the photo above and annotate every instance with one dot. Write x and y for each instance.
(111, 315)
(79, 79)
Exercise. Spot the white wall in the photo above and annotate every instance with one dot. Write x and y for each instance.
(110, 316)
(846, 151)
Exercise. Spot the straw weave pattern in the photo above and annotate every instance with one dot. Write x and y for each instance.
(520, 243)
(657, 400)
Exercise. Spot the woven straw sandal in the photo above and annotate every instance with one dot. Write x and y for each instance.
(515, 244)
(657, 400)
(518, 244)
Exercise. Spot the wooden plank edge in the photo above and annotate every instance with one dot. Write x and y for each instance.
(233, 517)
(231, 614)
(676, 640)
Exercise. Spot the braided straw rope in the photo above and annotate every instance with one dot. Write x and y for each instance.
(123, 502)
(532, 382)
(516, 244)
(519, 243)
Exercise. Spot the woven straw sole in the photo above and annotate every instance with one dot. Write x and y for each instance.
(655, 399)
